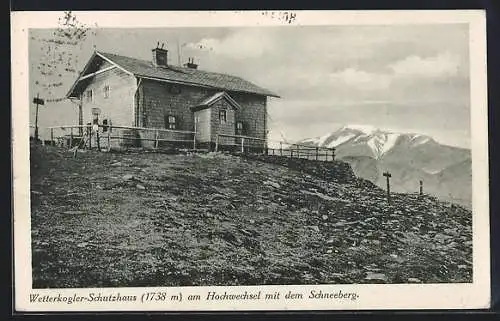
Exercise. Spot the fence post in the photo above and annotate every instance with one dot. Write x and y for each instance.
(98, 139)
(216, 142)
(194, 135)
(70, 137)
(242, 145)
(281, 148)
(89, 130)
(298, 152)
(317, 151)
(109, 138)
(156, 138)
(52, 136)
(333, 154)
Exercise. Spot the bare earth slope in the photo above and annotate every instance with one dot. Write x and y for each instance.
(107, 219)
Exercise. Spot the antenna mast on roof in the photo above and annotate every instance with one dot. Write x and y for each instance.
(178, 52)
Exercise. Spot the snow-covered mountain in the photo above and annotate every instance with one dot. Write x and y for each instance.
(410, 157)
(378, 141)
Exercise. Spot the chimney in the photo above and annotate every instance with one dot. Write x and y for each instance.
(191, 64)
(160, 56)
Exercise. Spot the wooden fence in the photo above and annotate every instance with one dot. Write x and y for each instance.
(127, 136)
(240, 143)
(109, 136)
(244, 144)
(302, 151)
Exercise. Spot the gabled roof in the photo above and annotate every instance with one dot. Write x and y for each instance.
(184, 75)
(215, 98)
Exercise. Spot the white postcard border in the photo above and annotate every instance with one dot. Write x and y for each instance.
(429, 296)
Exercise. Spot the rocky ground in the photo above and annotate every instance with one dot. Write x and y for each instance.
(149, 219)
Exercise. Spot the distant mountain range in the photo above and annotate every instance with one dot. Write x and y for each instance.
(445, 170)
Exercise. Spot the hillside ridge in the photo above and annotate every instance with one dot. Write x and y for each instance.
(218, 219)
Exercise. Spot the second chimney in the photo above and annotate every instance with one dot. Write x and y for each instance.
(160, 57)
(191, 64)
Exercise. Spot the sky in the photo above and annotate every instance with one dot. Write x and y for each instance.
(408, 78)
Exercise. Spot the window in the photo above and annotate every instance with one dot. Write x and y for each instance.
(89, 95)
(223, 115)
(106, 91)
(239, 128)
(171, 122)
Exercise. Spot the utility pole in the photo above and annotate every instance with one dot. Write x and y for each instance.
(421, 187)
(388, 176)
(38, 101)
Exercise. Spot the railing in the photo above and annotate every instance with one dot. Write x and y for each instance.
(244, 144)
(106, 134)
(84, 136)
(293, 150)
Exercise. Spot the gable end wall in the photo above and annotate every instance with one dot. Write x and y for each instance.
(119, 107)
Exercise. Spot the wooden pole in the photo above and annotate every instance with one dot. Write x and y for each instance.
(98, 138)
(71, 137)
(80, 116)
(156, 139)
(333, 154)
(109, 138)
(242, 145)
(36, 118)
(51, 136)
(317, 151)
(388, 176)
(421, 187)
(281, 148)
(298, 154)
(90, 136)
(194, 135)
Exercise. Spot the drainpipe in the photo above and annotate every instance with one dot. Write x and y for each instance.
(136, 103)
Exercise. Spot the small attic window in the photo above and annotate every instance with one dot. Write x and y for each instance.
(106, 91)
(89, 95)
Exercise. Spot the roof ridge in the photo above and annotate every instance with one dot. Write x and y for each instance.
(196, 77)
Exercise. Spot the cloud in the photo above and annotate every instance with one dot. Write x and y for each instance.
(442, 65)
(361, 79)
(241, 44)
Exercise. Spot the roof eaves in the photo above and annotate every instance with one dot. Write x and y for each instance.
(68, 95)
(114, 63)
(196, 84)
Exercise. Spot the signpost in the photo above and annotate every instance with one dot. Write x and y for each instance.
(38, 101)
(421, 187)
(388, 176)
